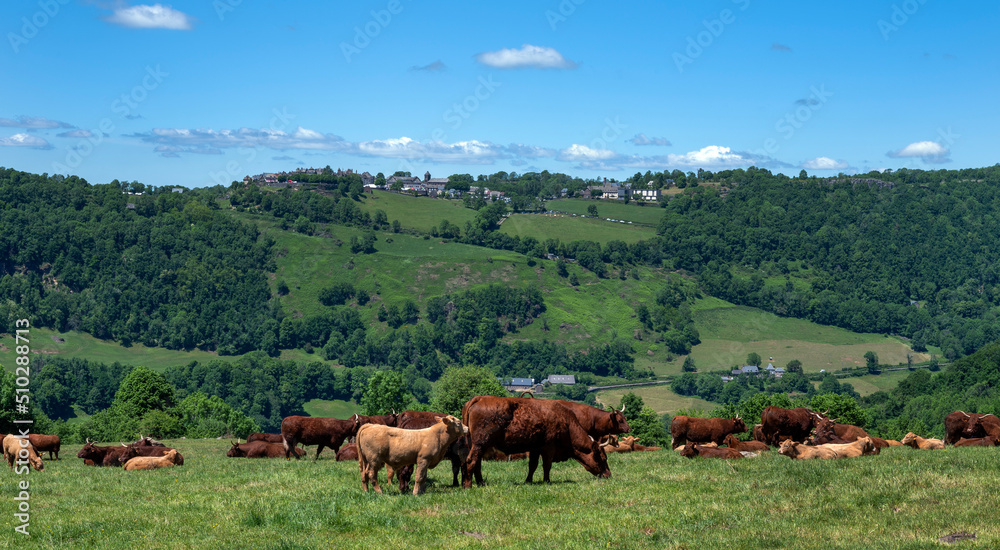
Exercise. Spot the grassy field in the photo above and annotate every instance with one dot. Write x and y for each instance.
(900, 499)
(729, 333)
(331, 409)
(659, 398)
(420, 213)
(568, 228)
(867, 385)
(79, 344)
(649, 214)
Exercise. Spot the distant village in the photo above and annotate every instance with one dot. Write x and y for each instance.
(438, 187)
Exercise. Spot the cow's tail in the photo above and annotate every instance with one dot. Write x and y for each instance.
(362, 461)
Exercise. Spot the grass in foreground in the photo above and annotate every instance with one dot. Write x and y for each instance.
(900, 499)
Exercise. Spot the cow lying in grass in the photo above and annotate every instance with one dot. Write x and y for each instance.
(132, 451)
(976, 442)
(917, 442)
(690, 450)
(16, 448)
(829, 451)
(348, 452)
(153, 462)
(261, 449)
(751, 446)
(380, 445)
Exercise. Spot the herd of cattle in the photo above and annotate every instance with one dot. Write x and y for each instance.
(511, 428)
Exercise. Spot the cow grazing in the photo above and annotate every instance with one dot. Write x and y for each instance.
(132, 451)
(348, 452)
(260, 449)
(704, 430)
(267, 438)
(456, 454)
(153, 462)
(19, 449)
(977, 442)
(917, 442)
(323, 432)
(518, 425)
(46, 443)
(733, 442)
(102, 456)
(778, 424)
(692, 450)
(797, 451)
(380, 445)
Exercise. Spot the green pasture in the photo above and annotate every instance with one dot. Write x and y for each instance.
(902, 498)
(420, 213)
(659, 398)
(331, 409)
(568, 228)
(650, 214)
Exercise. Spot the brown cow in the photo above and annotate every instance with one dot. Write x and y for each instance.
(46, 443)
(382, 420)
(517, 425)
(977, 442)
(692, 450)
(796, 424)
(348, 452)
(266, 438)
(988, 425)
(758, 433)
(397, 447)
(827, 431)
(703, 430)
(324, 432)
(102, 456)
(961, 424)
(152, 462)
(917, 442)
(146, 441)
(260, 449)
(733, 442)
(132, 451)
(418, 420)
(795, 450)
(20, 450)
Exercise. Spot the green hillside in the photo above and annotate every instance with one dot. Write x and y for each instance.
(570, 228)
(420, 213)
(649, 214)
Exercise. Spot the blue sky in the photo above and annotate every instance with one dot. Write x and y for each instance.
(198, 93)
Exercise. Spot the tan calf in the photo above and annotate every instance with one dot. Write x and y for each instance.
(152, 462)
(917, 442)
(829, 451)
(15, 448)
(380, 445)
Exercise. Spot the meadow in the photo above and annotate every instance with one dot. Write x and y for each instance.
(650, 214)
(569, 228)
(420, 213)
(900, 499)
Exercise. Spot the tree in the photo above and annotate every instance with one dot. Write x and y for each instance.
(573, 279)
(688, 365)
(633, 405)
(386, 392)
(592, 210)
(209, 416)
(871, 359)
(753, 359)
(648, 427)
(794, 366)
(460, 384)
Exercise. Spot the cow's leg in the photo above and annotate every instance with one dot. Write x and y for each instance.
(419, 474)
(404, 473)
(456, 465)
(319, 449)
(473, 467)
(374, 471)
(546, 467)
(532, 465)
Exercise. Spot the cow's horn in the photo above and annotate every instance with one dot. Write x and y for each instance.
(88, 440)
(623, 408)
(393, 412)
(966, 414)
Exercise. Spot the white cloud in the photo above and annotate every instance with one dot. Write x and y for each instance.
(641, 139)
(537, 57)
(928, 151)
(76, 134)
(824, 163)
(469, 152)
(156, 16)
(25, 140)
(712, 156)
(34, 123)
(303, 133)
(172, 141)
(582, 153)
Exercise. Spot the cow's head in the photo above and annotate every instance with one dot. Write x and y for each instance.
(618, 422)
(130, 452)
(90, 451)
(789, 448)
(596, 462)
(689, 450)
(867, 445)
(235, 451)
(739, 425)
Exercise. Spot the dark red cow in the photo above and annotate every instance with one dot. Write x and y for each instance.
(348, 452)
(261, 449)
(704, 430)
(132, 451)
(456, 453)
(987, 424)
(385, 419)
(518, 425)
(102, 456)
(45, 443)
(778, 424)
(692, 450)
(748, 446)
(960, 424)
(827, 431)
(267, 438)
(324, 432)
